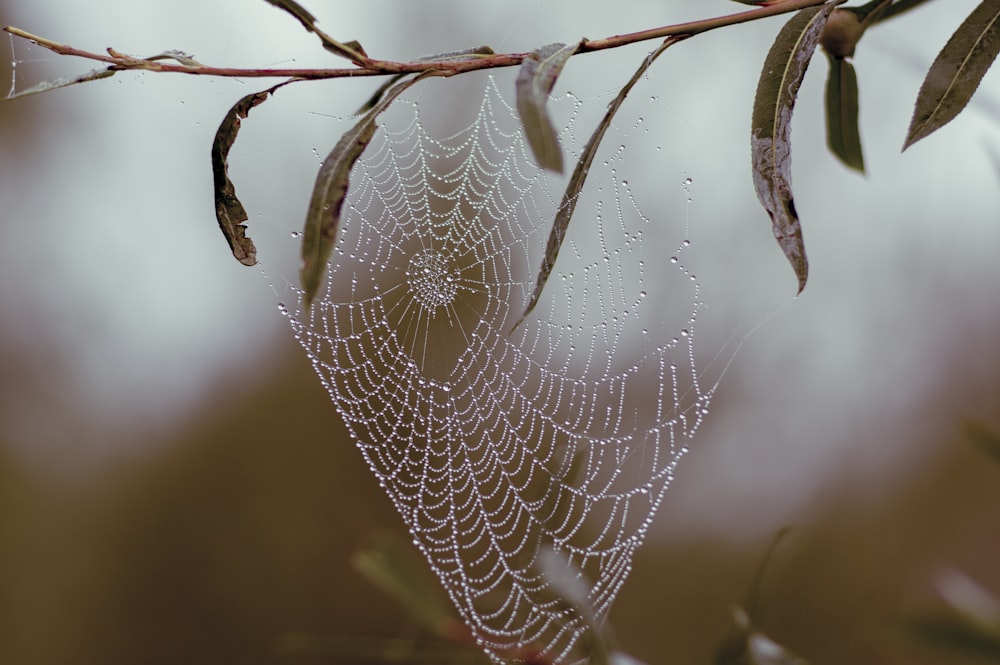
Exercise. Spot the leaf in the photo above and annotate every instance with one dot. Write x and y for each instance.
(771, 128)
(351, 50)
(956, 634)
(467, 54)
(749, 646)
(397, 571)
(46, 86)
(956, 72)
(568, 204)
(535, 81)
(229, 211)
(570, 585)
(973, 625)
(323, 216)
(982, 437)
(842, 134)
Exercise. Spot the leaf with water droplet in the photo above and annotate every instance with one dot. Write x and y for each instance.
(229, 211)
(576, 181)
(323, 216)
(771, 129)
(535, 80)
(843, 137)
(957, 71)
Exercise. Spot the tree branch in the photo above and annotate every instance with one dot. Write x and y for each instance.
(117, 61)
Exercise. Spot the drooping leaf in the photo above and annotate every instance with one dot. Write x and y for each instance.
(229, 211)
(535, 81)
(395, 569)
(771, 128)
(956, 634)
(956, 72)
(46, 86)
(466, 54)
(350, 50)
(842, 134)
(748, 646)
(973, 623)
(568, 204)
(323, 216)
(569, 584)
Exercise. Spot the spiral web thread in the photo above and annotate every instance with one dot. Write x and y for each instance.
(497, 445)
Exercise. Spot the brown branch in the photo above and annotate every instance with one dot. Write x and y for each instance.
(121, 62)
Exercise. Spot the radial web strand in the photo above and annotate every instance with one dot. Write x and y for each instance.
(496, 444)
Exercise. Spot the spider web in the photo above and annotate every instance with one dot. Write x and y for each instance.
(494, 444)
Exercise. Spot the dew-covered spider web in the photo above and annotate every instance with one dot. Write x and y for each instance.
(496, 443)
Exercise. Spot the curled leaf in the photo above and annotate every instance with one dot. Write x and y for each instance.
(535, 81)
(842, 134)
(956, 72)
(771, 128)
(323, 216)
(351, 50)
(229, 211)
(568, 204)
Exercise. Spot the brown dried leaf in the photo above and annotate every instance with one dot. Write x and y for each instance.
(568, 204)
(771, 128)
(535, 81)
(351, 50)
(323, 216)
(228, 209)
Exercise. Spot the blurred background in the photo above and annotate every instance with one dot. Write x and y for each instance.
(175, 485)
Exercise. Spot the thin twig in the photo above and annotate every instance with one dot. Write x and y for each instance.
(371, 67)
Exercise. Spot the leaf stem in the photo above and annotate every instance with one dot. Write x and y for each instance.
(373, 67)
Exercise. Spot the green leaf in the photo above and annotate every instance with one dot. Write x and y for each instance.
(957, 72)
(323, 216)
(771, 129)
(842, 134)
(396, 569)
(535, 81)
(229, 211)
(568, 204)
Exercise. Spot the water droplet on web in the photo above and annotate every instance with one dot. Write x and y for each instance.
(431, 401)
